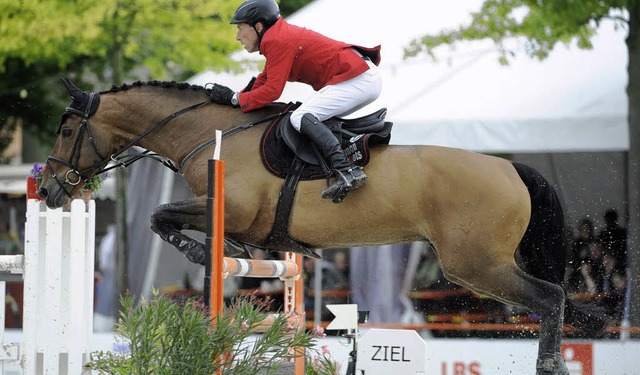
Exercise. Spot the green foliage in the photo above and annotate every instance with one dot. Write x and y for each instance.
(33, 96)
(166, 337)
(157, 34)
(6, 134)
(543, 24)
(288, 7)
(95, 182)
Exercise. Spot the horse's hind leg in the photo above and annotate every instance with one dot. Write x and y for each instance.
(168, 221)
(509, 284)
(549, 301)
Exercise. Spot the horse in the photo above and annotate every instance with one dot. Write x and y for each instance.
(497, 226)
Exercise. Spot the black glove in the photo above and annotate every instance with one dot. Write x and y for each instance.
(221, 94)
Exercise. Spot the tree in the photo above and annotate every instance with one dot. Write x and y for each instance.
(544, 24)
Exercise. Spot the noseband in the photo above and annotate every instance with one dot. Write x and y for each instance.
(73, 177)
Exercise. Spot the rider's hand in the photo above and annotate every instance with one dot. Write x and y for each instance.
(223, 95)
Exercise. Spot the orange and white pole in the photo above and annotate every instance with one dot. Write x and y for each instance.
(217, 267)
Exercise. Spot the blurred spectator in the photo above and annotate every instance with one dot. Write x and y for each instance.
(5, 238)
(341, 261)
(579, 253)
(429, 276)
(614, 239)
(308, 269)
(9, 241)
(586, 233)
(614, 299)
(332, 279)
(608, 272)
(592, 269)
(588, 282)
(106, 294)
(614, 283)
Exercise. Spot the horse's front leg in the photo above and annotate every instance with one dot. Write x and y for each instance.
(168, 221)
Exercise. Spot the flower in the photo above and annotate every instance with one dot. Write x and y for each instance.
(36, 172)
(244, 326)
(94, 182)
(121, 347)
(318, 331)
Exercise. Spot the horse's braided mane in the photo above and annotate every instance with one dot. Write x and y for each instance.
(163, 84)
(171, 84)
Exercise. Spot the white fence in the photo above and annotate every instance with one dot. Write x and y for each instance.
(58, 273)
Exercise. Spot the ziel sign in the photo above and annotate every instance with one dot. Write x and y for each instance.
(389, 351)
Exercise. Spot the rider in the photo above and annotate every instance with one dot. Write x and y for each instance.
(345, 77)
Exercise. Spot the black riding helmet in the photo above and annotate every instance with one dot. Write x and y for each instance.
(254, 11)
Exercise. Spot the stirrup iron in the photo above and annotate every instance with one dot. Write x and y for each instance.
(344, 183)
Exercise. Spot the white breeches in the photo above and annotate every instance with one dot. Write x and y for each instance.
(342, 98)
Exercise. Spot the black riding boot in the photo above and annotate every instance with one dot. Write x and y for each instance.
(348, 177)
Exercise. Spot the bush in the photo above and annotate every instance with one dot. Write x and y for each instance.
(166, 337)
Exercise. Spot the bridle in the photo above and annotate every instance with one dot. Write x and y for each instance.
(75, 152)
(118, 160)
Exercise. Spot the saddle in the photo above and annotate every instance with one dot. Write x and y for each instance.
(281, 143)
(288, 154)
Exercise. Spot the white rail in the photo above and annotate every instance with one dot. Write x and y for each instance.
(58, 272)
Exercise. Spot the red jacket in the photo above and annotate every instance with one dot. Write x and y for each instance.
(297, 54)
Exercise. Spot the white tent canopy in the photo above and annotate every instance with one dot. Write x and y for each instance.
(573, 101)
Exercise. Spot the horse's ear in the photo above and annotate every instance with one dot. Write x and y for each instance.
(76, 94)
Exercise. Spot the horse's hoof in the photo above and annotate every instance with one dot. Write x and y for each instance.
(551, 364)
(192, 249)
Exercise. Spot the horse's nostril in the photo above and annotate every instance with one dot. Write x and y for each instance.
(42, 192)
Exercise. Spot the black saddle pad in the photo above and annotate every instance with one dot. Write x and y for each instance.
(277, 155)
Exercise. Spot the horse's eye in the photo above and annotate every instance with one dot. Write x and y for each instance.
(67, 132)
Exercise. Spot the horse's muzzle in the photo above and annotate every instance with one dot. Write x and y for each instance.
(53, 197)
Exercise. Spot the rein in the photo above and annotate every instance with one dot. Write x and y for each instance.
(225, 134)
(151, 130)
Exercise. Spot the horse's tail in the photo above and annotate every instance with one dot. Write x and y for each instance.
(542, 251)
